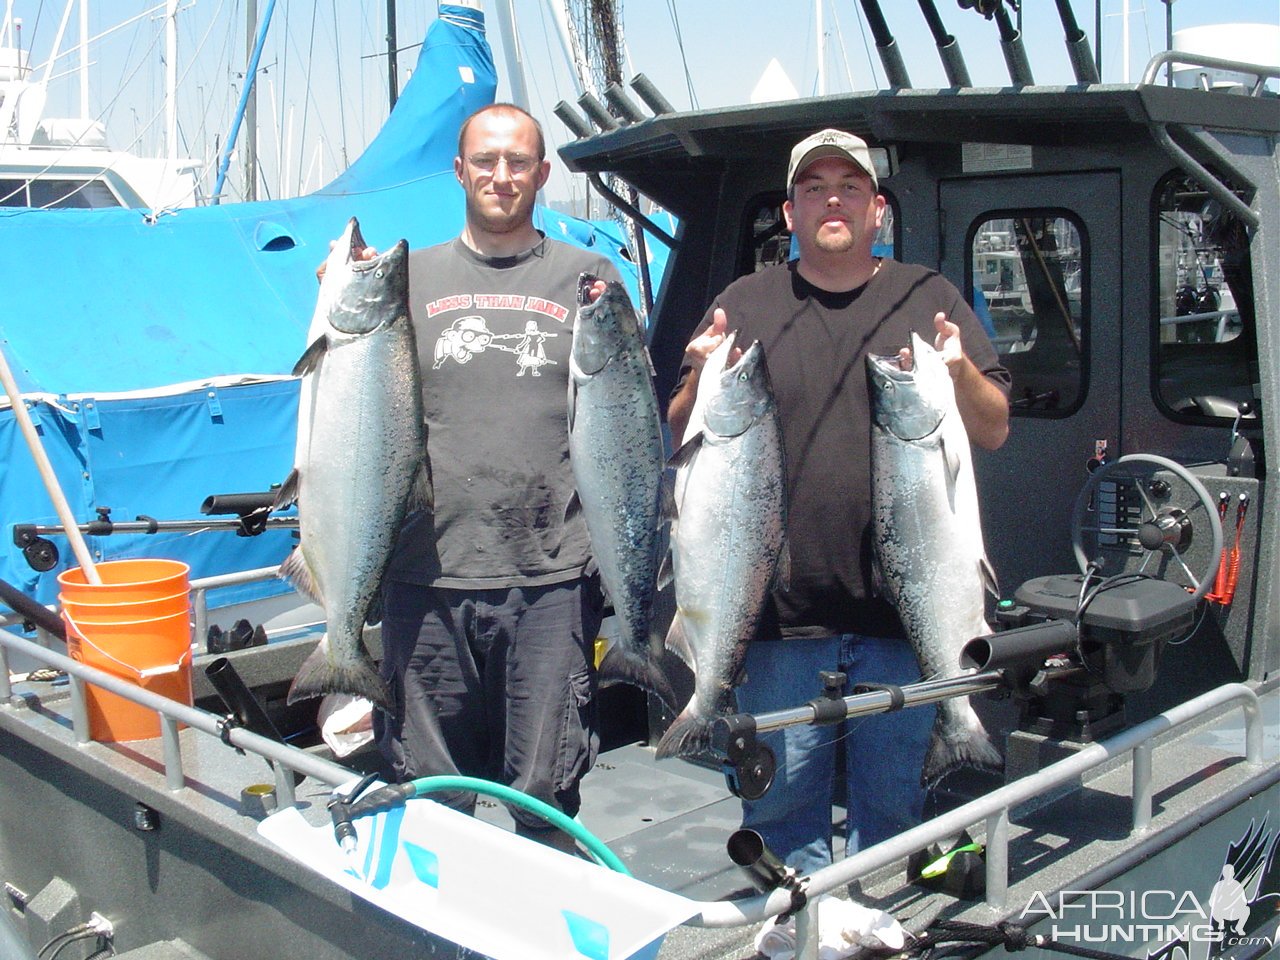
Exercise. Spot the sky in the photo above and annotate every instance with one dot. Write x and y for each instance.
(699, 53)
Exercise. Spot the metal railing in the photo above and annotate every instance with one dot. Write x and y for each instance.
(284, 758)
(992, 809)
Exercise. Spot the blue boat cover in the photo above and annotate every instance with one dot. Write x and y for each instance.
(154, 351)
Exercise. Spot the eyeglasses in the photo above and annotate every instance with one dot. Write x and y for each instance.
(517, 163)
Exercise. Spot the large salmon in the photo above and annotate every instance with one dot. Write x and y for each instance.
(728, 545)
(361, 458)
(928, 537)
(615, 450)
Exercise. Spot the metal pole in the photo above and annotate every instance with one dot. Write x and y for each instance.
(249, 75)
(393, 68)
(251, 103)
(1097, 36)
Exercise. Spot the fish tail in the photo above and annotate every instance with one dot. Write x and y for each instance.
(620, 666)
(318, 676)
(955, 745)
(689, 735)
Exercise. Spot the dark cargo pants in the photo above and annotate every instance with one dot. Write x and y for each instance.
(497, 684)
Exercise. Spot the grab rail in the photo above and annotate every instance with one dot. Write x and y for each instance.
(172, 713)
(1261, 71)
(994, 807)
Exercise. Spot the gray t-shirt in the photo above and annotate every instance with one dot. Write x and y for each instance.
(494, 336)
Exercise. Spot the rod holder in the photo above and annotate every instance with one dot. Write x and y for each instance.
(624, 108)
(597, 113)
(647, 92)
(572, 119)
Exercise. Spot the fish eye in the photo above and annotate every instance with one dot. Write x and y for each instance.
(378, 274)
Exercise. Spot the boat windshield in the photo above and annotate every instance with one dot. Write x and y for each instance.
(1206, 353)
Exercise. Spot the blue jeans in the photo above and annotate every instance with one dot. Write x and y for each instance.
(884, 753)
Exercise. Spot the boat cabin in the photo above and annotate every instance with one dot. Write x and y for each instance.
(1120, 244)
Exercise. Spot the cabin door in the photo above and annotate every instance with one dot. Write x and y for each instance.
(1037, 255)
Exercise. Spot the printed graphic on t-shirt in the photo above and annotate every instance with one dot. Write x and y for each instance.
(469, 336)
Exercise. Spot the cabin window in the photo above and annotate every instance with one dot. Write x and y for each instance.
(1206, 351)
(79, 194)
(1025, 277)
(769, 240)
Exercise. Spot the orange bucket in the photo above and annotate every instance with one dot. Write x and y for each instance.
(122, 612)
(136, 629)
(125, 581)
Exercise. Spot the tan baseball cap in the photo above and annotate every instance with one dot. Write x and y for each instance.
(831, 143)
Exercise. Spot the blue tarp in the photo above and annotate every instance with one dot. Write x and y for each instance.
(150, 350)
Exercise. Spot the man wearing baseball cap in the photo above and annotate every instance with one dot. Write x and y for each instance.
(818, 317)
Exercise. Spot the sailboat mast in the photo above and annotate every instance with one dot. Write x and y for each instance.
(393, 69)
(515, 57)
(84, 59)
(251, 104)
(171, 78)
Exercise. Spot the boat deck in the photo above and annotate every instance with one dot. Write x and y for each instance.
(668, 820)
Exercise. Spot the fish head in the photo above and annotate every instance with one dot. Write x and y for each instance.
(910, 404)
(604, 328)
(744, 397)
(359, 296)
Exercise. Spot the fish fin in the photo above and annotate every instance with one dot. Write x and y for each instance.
(782, 572)
(668, 509)
(295, 570)
(988, 576)
(666, 572)
(318, 676)
(422, 493)
(311, 357)
(879, 586)
(375, 612)
(689, 735)
(653, 371)
(954, 464)
(688, 450)
(620, 667)
(951, 748)
(573, 402)
(573, 507)
(287, 495)
(678, 642)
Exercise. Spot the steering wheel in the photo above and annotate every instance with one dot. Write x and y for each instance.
(1159, 524)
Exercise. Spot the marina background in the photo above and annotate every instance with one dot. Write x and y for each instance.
(323, 75)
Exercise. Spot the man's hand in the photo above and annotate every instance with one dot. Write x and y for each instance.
(364, 253)
(946, 342)
(702, 346)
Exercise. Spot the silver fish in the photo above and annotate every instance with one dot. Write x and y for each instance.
(928, 538)
(360, 461)
(615, 450)
(728, 547)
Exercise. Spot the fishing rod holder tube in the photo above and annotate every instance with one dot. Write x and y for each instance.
(624, 108)
(767, 871)
(242, 705)
(251, 508)
(653, 99)
(1019, 646)
(572, 119)
(596, 112)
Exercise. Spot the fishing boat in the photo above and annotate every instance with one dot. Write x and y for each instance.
(1133, 670)
(49, 162)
